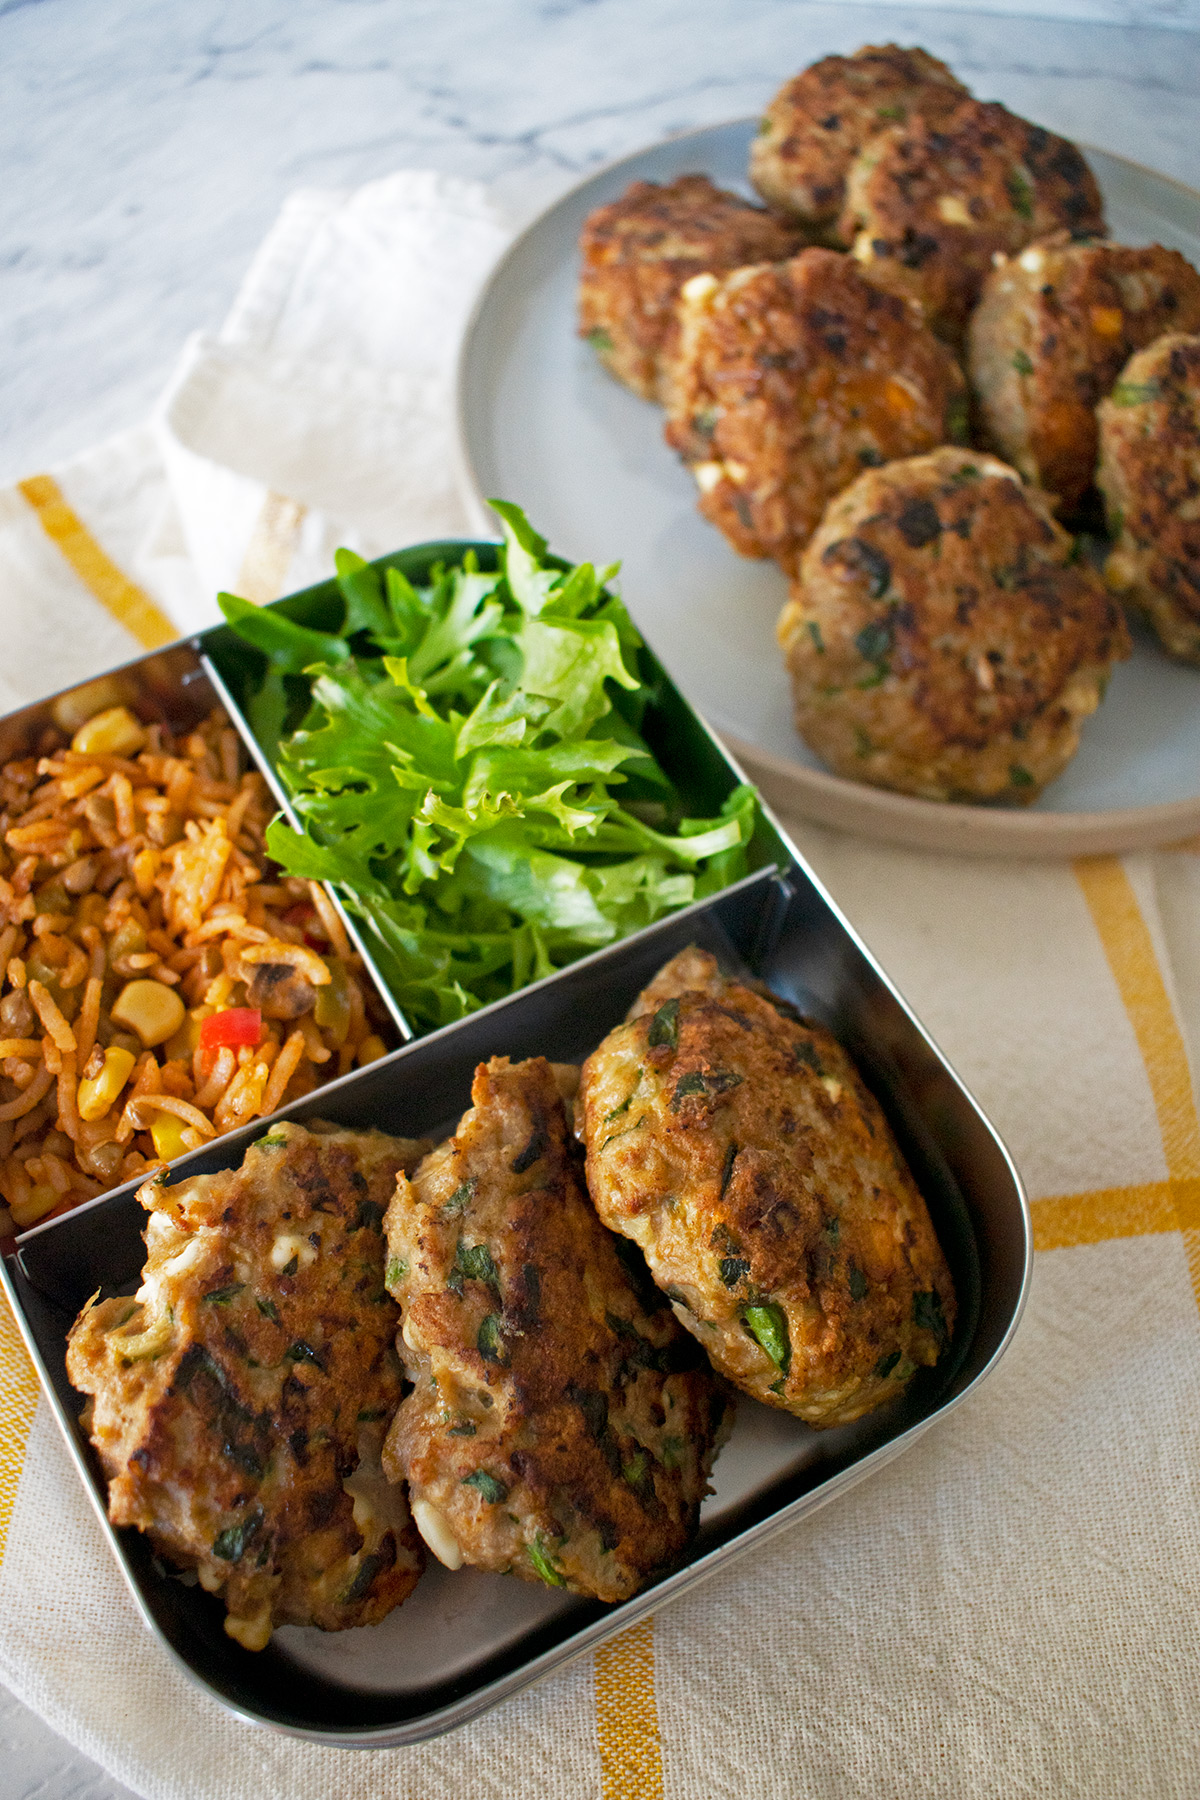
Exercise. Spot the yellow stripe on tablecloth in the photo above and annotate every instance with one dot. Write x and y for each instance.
(627, 1716)
(18, 1401)
(126, 602)
(1064, 1220)
(1129, 948)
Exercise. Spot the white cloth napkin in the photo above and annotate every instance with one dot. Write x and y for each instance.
(321, 414)
(1012, 1609)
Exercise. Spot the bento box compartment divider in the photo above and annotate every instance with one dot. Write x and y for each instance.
(657, 943)
(263, 764)
(782, 893)
(104, 1249)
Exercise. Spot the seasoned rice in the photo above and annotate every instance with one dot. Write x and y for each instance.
(137, 902)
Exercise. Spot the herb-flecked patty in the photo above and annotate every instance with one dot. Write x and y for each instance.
(1053, 329)
(561, 1427)
(929, 203)
(737, 1146)
(241, 1399)
(820, 119)
(639, 250)
(789, 380)
(1150, 477)
(942, 636)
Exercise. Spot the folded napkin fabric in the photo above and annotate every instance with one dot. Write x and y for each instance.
(322, 414)
(1012, 1608)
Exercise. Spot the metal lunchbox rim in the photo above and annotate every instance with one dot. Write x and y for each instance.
(710, 1561)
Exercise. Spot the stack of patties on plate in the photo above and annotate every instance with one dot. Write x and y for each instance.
(952, 289)
(527, 1359)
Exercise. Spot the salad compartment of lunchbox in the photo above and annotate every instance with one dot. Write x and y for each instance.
(251, 665)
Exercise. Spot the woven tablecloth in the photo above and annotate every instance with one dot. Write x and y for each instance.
(1013, 1607)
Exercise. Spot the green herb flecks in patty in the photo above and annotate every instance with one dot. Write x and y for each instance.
(473, 1262)
(459, 1200)
(230, 1545)
(1020, 192)
(540, 1559)
(1135, 393)
(487, 1340)
(768, 1324)
(223, 1295)
(664, 1027)
(706, 1082)
(493, 1491)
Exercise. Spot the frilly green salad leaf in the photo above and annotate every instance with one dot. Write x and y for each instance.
(470, 772)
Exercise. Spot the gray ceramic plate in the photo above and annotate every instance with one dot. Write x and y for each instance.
(543, 424)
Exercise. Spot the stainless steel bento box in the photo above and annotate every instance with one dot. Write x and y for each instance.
(468, 1639)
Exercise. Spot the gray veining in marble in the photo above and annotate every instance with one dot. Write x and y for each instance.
(146, 147)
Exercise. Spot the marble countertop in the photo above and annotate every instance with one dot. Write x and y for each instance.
(147, 148)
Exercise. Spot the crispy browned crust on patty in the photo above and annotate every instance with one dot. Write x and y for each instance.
(1150, 477)
(929, 203)
(737, 1146)
(820, 119)
(941, 636)
(788, 380)
(1054, 327)
(561, 1427)
(240, 1402)
(639, 250)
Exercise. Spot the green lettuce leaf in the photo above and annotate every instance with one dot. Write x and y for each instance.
(290, 647)
(471, 775)
(362, 590)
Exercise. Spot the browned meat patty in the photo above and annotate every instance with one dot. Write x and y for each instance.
(789, 380)
(941, 636)
(737, 1146)
(561, 1427)
(820, 119)
(639, 250)
(240, 1401)
(1054, 327)
(1150, 478)
(928, 204)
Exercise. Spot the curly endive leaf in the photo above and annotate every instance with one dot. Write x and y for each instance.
(469, 773)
